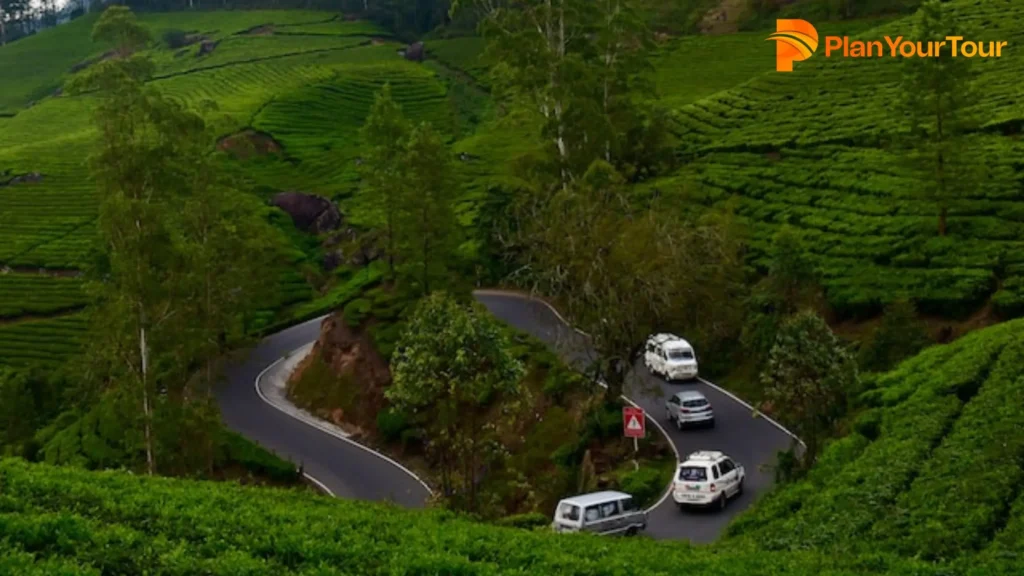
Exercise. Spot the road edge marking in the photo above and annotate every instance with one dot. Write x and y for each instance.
(664, 433)
(326, 430)
(757, 413)
(319, 484)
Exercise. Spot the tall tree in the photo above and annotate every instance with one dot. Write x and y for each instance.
(808, 380)
(179, 253)
(119, 28)
(452, 364)
(620, 271)
(936, 96)
(427, 224)
(577, 64)
(385, 134)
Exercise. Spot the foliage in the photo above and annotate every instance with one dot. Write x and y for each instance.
(579, 67)
(900, 335)
(426, 218)
(645, 484)
(452, 364)
(936, 475)
(936, 96)
(384, 136)
(118, 27)
(118, 523)
(627, 271)
(28, 400)
(808, 380)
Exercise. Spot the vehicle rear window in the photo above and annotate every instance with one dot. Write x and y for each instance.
(680, 354)
(693, 473)
(695, 403)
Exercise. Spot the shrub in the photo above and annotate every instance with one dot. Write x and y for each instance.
(900, 335)
(256, 459)
(176, 39)
(391, 424)
(645, 484)
(530, 521)
(356, 311)
(869, 424)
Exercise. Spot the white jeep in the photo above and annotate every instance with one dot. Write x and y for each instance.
(707, 478)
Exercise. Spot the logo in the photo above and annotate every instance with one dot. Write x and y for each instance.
(795, 40)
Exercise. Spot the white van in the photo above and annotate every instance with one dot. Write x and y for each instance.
(671, 357)
(605, 512)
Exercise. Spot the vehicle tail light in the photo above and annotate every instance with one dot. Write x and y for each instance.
(712, 487)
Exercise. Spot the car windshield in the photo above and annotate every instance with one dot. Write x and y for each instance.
(569, 512)
(693, 473)
(695, 403)
(680, 354)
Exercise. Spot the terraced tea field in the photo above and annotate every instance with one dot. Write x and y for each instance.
(305, 78)
(813, 149)
(931, 471)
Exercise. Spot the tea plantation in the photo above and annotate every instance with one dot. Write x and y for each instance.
(814, 149)
(931, 470)
(304, 78)
(929, 484)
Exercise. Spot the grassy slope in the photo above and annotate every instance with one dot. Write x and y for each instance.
(87, 522)
(310, 84)
(931, 469)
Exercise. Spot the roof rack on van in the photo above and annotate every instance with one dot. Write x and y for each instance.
(705, 455)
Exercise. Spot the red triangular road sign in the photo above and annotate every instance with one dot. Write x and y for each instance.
(634, 424)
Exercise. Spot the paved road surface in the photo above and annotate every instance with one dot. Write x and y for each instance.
(753, 442)
(352, 472)
(346, 470)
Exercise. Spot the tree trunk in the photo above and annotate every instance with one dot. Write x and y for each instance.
(3, 25)
(146, 408)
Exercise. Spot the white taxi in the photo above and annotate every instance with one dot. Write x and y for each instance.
(707, 478)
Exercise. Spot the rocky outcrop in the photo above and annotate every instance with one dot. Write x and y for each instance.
(309, 212)
(207, 47)
(352, 392)
(349, 247)
(414, 52)
(22, 179)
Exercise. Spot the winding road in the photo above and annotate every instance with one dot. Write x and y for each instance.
(347, 470)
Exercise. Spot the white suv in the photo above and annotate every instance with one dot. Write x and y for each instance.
(671, 357)
(707, 478)
(689, 407)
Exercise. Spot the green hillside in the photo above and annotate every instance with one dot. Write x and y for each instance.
(305, 78)
(67, 521)
(932, 468)
(929, 483)
(814, 149)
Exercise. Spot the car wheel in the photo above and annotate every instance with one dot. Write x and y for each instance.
(681, 507)
(711, 423)
(739, 489)
(722, 501)
(679, 424)
(631, 531)
(668, 415)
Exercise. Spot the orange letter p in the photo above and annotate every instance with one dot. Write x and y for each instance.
(795, 40)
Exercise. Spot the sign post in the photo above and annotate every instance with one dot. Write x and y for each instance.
(634, 426)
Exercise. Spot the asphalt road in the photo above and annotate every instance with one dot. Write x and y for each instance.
(752, 442)
(345, 469)
(350, 471)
